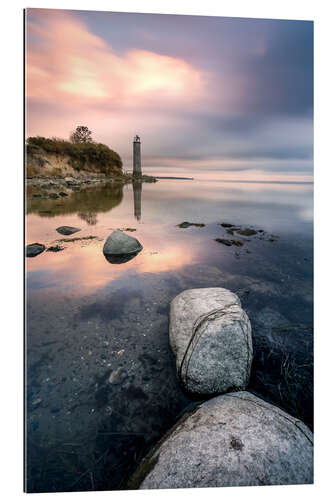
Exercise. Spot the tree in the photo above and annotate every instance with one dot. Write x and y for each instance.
(81, 134)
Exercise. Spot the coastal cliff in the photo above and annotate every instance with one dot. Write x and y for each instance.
(58, 158)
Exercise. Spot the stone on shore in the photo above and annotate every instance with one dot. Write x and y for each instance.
(121, 247)
(232, 440)
(34, 249)
(67, 230)
(210, 335)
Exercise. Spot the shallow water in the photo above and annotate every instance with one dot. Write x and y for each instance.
(88, 318)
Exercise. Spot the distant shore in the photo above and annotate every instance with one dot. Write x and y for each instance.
(180, 178)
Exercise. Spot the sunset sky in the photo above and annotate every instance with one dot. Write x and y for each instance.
(206, 94)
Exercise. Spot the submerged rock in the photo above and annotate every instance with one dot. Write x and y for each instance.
(62, 193)
(185, 224)
(55, 248)
(67, 230)
(247, 232)
(34, 249)
(210, 335)
(228, 243)
(53, 196)
(121, 247)
(232, 440)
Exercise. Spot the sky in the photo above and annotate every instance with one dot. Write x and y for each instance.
(209, 96)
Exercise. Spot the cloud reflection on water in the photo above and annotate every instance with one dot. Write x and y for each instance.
(279, 208)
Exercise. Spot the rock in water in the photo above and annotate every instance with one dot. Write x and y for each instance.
(232, 440)
(34, 249)
(210, 335)
(67, 230)
(121, 247)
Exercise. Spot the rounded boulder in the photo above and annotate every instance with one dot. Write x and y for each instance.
(210, 335)
(232, 440)
(119, 247)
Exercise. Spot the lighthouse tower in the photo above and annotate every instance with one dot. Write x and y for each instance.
(137, 157)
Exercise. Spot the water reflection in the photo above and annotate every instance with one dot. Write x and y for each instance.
(280, 209)
(137, 191)
(120, 259)
(87, 203)
(87, 319)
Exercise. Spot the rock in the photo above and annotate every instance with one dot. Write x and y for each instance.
(55, 248)
(226, 224)
(118, 376)
(121, 247)
(228, 243)
(34, 249)
(232, 440)
(67, 230)
(185, 225)
(210, 336)
(237, 243)
(36, 195)
(62, 193)
(53, 196)
(247, 232)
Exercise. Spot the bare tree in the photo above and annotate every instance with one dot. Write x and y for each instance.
(81, 134)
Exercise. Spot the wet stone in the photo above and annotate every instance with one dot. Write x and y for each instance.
(67, 230)
(34, 249)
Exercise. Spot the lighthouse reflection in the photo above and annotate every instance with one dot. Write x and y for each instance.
(137, 192)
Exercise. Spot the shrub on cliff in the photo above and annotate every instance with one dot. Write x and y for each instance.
(81, 155)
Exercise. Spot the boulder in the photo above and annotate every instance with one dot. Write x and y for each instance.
(67, 230)
(232, 440)
(121, 247)
(34, 249)
(53, 196)
(210, 335)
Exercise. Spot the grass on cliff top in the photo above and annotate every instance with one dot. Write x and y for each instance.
(82, 155)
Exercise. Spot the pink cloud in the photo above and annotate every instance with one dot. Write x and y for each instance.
(72, 66)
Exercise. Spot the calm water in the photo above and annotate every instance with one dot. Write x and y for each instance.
(87, 318)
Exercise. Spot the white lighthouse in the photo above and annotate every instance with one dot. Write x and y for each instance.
(137, 157)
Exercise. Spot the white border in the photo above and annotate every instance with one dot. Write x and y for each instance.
(11, 197)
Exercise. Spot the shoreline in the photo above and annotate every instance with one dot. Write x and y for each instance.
(82, 182)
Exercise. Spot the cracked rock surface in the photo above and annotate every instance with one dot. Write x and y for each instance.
(232, 440)
(210, 335)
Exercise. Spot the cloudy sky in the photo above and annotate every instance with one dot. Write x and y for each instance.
(207, 95)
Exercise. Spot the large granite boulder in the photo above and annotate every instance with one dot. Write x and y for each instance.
(232, 440)
(34, 249)
(210, 335)
(121, 247)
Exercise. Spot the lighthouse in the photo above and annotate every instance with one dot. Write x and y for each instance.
(137, 157)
